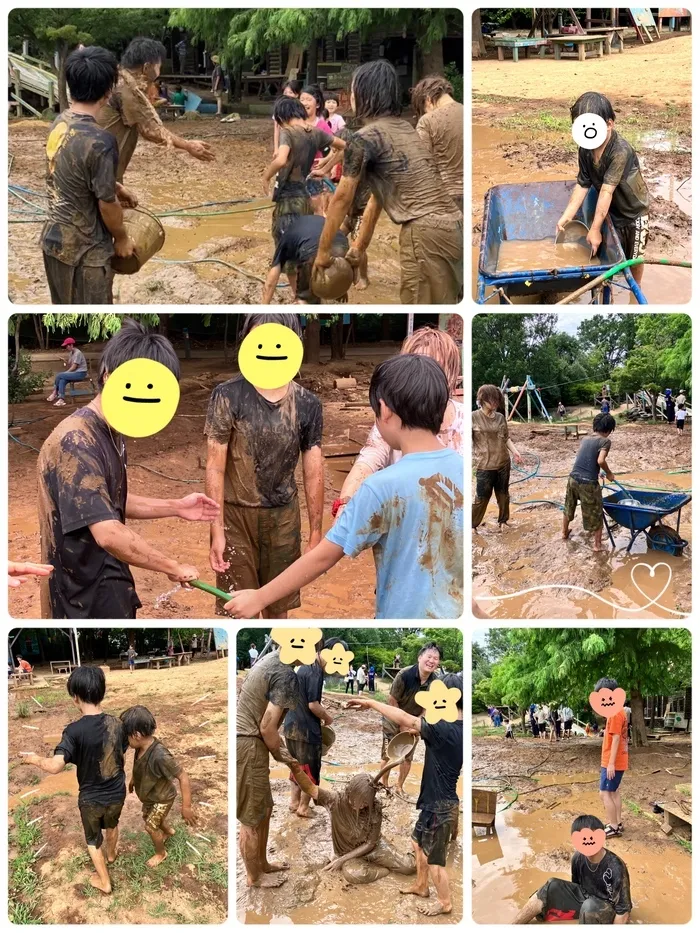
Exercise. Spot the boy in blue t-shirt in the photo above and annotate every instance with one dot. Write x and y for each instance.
(411, 514)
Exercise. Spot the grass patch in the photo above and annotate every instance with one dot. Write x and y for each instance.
(483, 731)
(23, 711)
(21, 914)
(685, 844)
(216, 872)
(40, 797)
(634, 807)
(159, 910)
(33, 779)
(75, 864)
(23, 882)
(50, 699)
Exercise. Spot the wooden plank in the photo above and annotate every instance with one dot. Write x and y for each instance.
(483, 819)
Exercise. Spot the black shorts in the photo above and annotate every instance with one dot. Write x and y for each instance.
(568, 724)
(306, 754)
(564, 900)
(95, 817)
(680, 422)
(432, 832)
(634, 236)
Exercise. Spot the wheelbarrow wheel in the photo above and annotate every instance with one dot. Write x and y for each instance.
(663, 538)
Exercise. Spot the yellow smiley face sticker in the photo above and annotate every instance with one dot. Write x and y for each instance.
(297, 645)
(439, 702)
(270, 356)
(140, 398)
(337, 659)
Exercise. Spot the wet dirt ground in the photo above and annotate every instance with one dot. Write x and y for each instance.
(170, 696)
(347, 591)
(168, 180)
(307, 896)
(530, 551)
(521, 133)
(531, 842)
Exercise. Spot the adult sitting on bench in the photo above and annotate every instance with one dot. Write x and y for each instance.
(77, 371)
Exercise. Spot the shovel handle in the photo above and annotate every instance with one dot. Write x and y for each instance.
(207, 588)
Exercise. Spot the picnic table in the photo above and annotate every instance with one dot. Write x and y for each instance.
(137, 661)
(182, 656)
(60, 667)
(20, 676)
(517, 43)
(167, 659)
(609, 34)
(262, 80)
(558, 42)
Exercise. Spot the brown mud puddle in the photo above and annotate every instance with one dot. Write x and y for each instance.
(523, 255)
(66, 782)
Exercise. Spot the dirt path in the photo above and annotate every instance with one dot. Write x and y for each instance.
(187, 888)
(530, 552)
(532, 838)
(165, 181)
(311, 897)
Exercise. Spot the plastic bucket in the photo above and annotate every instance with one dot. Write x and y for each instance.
(327, 738)
(401, 745)
(148, 234)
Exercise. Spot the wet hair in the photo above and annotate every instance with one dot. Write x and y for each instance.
(133, 342)
(605, 683)
(429, 89)
(360, 791)
(87, 684)
(142, 51)
(430, 341)
(294, 86)
(593, 102)
(291, 321)
(331, 95)
(491, 394)
(431, 646)
(315, 91)
(604, 424)
(288, 109)
(377, 91)
(138, 719)
(414, 388)
(91, 73)
(586, 822)
(456, 680)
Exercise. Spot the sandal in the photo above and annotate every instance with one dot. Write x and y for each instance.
(52, 397)
(611, 830)
(60, 403)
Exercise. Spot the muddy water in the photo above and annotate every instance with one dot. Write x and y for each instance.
(522, 255)
(528, 848)
(65, 782)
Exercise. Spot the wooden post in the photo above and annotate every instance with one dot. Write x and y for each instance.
(529, 406)
(17, 81)
(588, 17)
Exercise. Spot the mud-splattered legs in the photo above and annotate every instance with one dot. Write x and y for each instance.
(158, 839)
(528, 913)
(404, 771)
(100, 879)
(111, 844)
(420, 886)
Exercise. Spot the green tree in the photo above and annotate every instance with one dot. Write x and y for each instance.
(612, 335)
(101, 325)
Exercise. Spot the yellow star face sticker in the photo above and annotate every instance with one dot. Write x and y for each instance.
(337, 659)
(439, 702)
(297, 645)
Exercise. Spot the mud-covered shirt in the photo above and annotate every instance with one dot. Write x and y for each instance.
(618, 166)
(269, 681)
(153, 774)
(264, 440)
(81, 165)
(404, 688)
(489, 440)
(350, 828)
(401, 173)
(96, 746)
(444, 752)
(442, 130)
(82, 480)
(299, 243)
(586, 467)
(300, 723)
(304, 143)
(609, 879)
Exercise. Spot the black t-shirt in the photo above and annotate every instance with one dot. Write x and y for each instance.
(96, 746)
(264, 440)
(404, 688)
(299, 243)
(444, 753)
(82, 480)
(304, 143)
(618, 166)
(609, 879)
(300, 723)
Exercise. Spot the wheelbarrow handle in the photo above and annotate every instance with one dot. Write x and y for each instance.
(208, 588)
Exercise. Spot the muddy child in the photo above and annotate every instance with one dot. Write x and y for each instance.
(95, 744)
(411, 514)
(583, 485)
(152, 778)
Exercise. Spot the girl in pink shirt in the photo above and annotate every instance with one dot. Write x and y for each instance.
(312, 100)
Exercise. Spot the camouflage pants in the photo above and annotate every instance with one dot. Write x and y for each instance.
(590, 495)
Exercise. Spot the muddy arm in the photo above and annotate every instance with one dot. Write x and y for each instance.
(335, 215)
(131, 548)
(407, 722)
(48, 765)
(188, 814)
(364, 849)
(273, 277)
(303, 779)
(312, 468)
(269, 731)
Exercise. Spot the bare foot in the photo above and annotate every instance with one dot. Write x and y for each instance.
(96, 883)
(275, 866)
(565, 534)
(307, 814)
(597, 549)
(414, 889)
(265, 881)
(113, 855)
(361, 284)
(432, 910)
(156, 859)
(168, 830)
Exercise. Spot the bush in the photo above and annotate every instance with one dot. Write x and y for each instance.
(456, 79)
(22, 382)
(452, 667)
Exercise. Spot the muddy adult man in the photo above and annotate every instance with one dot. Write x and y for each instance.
(269, 690)
(130, 113)
(405, 182)
(437, 801)
(614, 761)
(84, 503)
(255, 436)
(302, 725)
(404, 688)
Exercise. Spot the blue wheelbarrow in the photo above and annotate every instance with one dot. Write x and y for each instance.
(646, 517)
(530, 211)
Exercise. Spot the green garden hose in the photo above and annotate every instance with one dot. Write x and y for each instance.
(208, 588)
(619, 268)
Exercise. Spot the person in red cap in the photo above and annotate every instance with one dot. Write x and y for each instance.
(76, 371)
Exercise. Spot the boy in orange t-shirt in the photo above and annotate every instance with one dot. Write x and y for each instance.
(614, 762)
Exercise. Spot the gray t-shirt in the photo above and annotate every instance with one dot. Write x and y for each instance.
(586, 469)
(78, 357)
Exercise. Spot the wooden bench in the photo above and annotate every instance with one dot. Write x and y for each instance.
(515, 44)
(580, 42)
(60, 667)
(18, 678)
(484, 807)
(137, 661)
(182, 657)
(609, 34)
(675, 817)
(166, 661)
(222, 652)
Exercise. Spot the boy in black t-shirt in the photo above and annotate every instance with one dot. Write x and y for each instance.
(152, 778)
(95, 744)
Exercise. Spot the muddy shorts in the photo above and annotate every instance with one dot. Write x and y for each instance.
(283, 216)
(432, 832)
(381, 860)
(260, 544)
(634, 236)
(487, 482)
(154, 814)
(564, 900)
(306, 754)
(253, 792)
(610, 784)
(590, 495)
(432, 260)
(386, 738)
(96, 817)
(78, 285)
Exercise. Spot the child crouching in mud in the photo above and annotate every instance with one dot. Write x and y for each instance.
(583, 485)
(152, 778)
